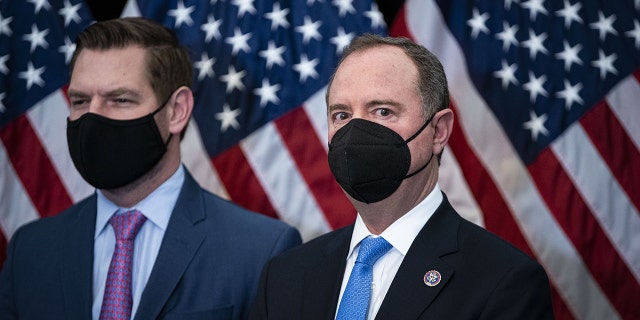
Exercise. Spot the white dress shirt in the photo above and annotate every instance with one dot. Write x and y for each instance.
(157, 207)
(400, 235)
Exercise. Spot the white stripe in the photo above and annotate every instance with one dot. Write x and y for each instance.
(195, 158)
(282, 182)
(610, 205)
(316, 109)
(623, 99)
(452, 180)
(546, 238)
(49, 120)
(16, 208)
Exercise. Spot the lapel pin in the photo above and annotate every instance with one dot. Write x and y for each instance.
(432, 278)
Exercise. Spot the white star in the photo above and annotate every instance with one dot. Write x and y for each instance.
(39, 4)
(182, 14)
(570, 13)
(570, 55)
(535, 86)
(234, 79)
(273, 55)
(309, 30)
(228, 118)
(635, 33)
(205, 66)
(342, 40)
(306, 68)
(33, 76)
(477, 23)
(70, 13)
(267, 93)
(507, 74)
(4, 25)
(536, 125)
(2, 107)
(244, 6)
(3, 64)
(239, 41)
(36, 37)
(536, 6)
(605, 63)
(604, 25)
(508, 36)
(278, 17)
(535, 44)
(312, 2)
(377, 19)
(344, 7)
(570, 94)
(211, 28)
(507, 3)
(67, 49)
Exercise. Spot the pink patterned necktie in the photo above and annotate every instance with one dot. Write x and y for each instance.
(117, 300)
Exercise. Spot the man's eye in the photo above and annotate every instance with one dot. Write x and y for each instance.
(383, 112)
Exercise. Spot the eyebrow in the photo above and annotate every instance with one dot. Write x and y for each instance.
(109, 94)
(375, 103)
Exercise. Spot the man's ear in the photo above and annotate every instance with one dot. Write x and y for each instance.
(182, 107)
(443, 124)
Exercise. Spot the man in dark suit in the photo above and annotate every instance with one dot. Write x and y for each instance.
(150, 243)
(409, 255)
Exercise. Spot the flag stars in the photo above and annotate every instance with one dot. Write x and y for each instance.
(306, 68)
(70, 13)
(239, 41)
(570, 13)
(535, 7)
(267, 93)
(32, 76)
(344, 7)
(228, 117)
(605, 64)
(278, 17)
(182, 14)
(3, 64)
(570, 94)
(535, 86)
(39, 4)
(309, 30)
(4, 25)
(2, 107)
(508, 36)
(211, 28)
(273, 55)
(570, 55)
(536, 125)
(342, 40)
(535, 44)
(244, 6)
(377, 19)
(67, 49)
(478, 23)
(37, 38)
(604, 25)
(234, 79)
(205, 66)
(507, 74)
(635, 33)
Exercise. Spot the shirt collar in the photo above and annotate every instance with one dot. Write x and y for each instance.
(401, 233)
(156, 207)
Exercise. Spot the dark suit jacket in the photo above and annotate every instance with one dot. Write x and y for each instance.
(483, 277)
(208, 265)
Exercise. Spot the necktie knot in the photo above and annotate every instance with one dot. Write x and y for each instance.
(372, 249)
(126, 225)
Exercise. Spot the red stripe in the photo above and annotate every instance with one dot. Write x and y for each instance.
(241, 183)
(311, 159)
(3, 250)
(33, 166)
(615, 147)
(579, 224)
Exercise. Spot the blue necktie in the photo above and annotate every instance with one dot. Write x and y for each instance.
(355, 299)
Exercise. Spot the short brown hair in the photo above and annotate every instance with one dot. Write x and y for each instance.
(168, 65)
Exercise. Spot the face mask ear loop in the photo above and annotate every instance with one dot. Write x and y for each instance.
(422, 168)
(426, 123)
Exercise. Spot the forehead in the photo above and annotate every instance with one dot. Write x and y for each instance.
(122, 65)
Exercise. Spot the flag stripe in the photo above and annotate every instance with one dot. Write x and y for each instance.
(627, 93)
(311, 159)
(249, 193)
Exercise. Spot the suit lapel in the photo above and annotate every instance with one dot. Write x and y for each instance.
(323, 280)
(180, 244)
(76, 254)
(408, 295)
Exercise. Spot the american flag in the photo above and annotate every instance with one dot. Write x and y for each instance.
(545, 146)
(544, 153)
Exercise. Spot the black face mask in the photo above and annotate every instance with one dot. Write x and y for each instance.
(112, 153)
(370, 160)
